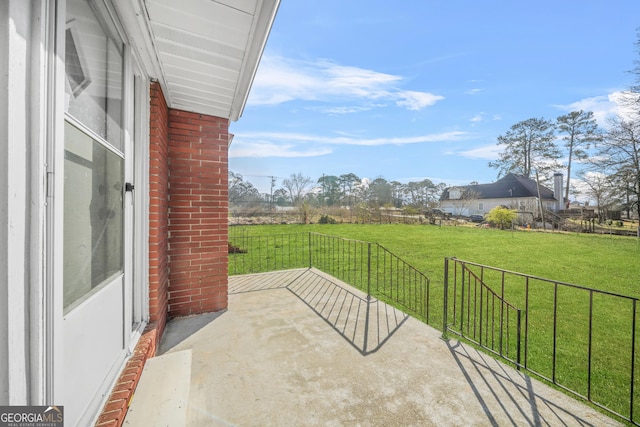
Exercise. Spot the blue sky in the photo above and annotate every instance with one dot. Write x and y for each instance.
(413, 89)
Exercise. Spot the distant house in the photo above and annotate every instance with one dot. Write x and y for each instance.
(513, 191)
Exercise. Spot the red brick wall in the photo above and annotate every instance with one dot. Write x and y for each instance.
(198, 213)
(188, 211)
(158, 208)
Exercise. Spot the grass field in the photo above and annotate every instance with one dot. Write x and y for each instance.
(603, 262)
(598, 261)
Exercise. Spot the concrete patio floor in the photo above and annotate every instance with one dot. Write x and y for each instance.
(298, 348)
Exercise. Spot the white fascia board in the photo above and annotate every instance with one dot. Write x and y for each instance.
(262, 23)
(135, 19)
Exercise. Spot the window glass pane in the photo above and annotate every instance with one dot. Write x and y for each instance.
(93, 65)
(93, 215)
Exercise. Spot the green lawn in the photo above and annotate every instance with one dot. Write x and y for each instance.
(608, 263)
(598, 261)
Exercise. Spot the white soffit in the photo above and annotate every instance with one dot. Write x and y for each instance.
(207, 51)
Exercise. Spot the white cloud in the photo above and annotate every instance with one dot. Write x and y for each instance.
(354, 81)
(487, 152)
(267, 137)
(283, 144)
(347, 109)
(281, 80)
(603, 106)
(473, 91)
(416, 100)
(477, 118)
(626, 104)
(268, 149)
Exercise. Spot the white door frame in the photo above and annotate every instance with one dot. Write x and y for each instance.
(55, 209)
(137, 223)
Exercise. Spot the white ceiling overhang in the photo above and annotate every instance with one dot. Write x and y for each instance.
(204, 53)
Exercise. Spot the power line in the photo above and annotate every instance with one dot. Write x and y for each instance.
(263, 176)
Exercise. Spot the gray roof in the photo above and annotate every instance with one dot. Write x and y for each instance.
(509, 186)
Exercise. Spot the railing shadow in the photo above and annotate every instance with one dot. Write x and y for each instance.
(365, 322)
(490, 380)
(271, 280)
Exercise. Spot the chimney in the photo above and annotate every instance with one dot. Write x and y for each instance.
(557, 191)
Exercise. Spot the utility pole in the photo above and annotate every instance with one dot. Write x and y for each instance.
(273, 183)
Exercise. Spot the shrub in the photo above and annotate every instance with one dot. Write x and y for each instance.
(326, 219)
(501, 216)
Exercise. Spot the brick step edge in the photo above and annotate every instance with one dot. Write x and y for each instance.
(115, 409)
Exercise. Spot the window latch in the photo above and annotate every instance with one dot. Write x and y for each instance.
(129, 187)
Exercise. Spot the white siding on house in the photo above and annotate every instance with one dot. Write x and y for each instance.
(481, 207)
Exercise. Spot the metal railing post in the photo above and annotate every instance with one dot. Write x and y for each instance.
(310, 258)
(519, 338)
(366, 322)
(445, 299)
(368, 271)
(633, 361)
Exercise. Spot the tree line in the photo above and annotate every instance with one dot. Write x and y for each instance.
(346, 190)
(609, 159)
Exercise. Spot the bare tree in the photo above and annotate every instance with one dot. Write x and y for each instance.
(599, 187)
(619, 154)
(633, 97)
(297, 186)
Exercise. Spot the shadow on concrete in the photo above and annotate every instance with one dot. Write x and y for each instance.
(177, 330)
(500, 381)
(264, 281)
(365, 322)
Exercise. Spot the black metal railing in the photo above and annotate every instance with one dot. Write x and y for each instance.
(481, 315)
(373, 269)
(366, 266)
(258, 254)
(579, 339)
